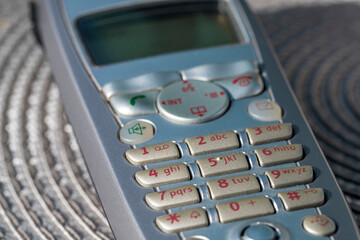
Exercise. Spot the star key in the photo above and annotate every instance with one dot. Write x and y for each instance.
(173, 218)
(183, 220)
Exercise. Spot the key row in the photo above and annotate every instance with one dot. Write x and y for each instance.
(224, 164)
(228, 187)
(240, 209)
(212, 143)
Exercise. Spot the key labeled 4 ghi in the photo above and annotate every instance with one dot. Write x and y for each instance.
(163, 175)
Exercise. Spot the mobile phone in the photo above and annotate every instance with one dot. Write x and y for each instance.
(187, 124)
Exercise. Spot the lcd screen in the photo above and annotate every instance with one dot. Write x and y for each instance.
(121, 35)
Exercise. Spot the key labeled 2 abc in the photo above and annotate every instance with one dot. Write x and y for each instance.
(211, 143)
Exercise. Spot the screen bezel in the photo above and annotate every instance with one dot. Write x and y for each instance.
(222, 6)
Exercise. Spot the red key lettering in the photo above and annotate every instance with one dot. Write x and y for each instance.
(234, 206)
(201, 140)
(222, 183)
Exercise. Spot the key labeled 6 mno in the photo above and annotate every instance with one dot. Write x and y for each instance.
(278, 155)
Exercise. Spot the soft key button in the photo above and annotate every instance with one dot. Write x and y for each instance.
(319, 225)
(190, 102)
(174, 197)
(134, 104)
(244, 208)
(163, 175)
(304, 198)
(265, 110)
(247, 85)
(136, 132)
(233, 186)
(223, 164)
(183, 221)
(285, 177)
(279, 154)
(211, 143)
(141, 83)
(215, 71)
(153, 153)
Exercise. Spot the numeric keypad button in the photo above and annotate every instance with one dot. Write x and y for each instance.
(163, 175)
(183, 220)
(174, 197)
(153, 153)
(279, 154)
(269, 133)
(303, 198)
(244, 208)
(233, 186)
(211, 143)
(223, 164)
(286, 177)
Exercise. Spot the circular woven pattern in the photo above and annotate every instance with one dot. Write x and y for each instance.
(46, 191)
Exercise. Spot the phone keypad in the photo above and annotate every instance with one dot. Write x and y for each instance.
(244, 208)
(285, 177)
(173, 197)
(183, 220)
(233, 186)
(163, 175)
(211, 143)
(225, 187)
(153, 153)
(222, 164)
(279, 154)
(302, 198)
(269, 133)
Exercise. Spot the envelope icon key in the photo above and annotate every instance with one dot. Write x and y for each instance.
(262, 106)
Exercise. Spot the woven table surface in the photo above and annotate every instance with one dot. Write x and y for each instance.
(45, 189)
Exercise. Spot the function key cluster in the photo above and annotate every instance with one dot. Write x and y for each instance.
(225, 186)
(195, 95)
